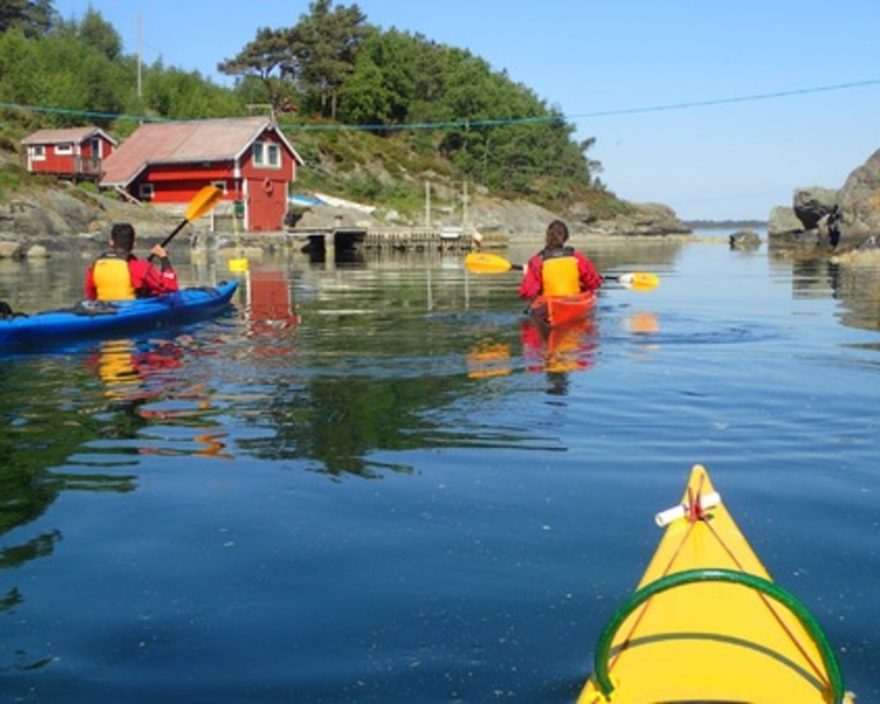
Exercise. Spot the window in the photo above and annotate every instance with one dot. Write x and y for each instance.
(145, 191)
(273, 154)
(38, 152)
(267, 154)
(62, 149)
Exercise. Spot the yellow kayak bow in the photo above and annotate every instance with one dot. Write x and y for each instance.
(707, 624)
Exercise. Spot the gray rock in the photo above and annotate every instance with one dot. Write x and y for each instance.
(871, 243)
(811, 204)
(745, 239)
(795, 239)
(783, 221)
(580, 212)
(10, 249)
(647, 219)
(37, 251)
(859, 202)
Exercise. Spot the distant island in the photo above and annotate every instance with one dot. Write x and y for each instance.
(724, 224)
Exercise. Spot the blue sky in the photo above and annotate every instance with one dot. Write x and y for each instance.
(624, 57)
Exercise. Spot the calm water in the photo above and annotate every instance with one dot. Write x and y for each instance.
(402, 494)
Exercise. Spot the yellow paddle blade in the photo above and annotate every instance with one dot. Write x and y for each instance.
(640, 280)
(485, 263)
(202, 202)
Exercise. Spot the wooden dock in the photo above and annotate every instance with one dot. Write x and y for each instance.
(416, 239)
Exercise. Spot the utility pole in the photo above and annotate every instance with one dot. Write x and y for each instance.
(140, 51)
(464, 206)
(427, 204)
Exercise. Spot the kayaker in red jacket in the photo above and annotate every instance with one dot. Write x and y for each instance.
(558, 270)
(118, 275)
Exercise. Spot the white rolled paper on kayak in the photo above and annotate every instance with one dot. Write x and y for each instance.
(664, 518)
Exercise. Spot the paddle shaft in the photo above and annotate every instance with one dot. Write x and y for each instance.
(201, 203)
(520, 267)
(174, 232)
(170, 237)
(487, 263)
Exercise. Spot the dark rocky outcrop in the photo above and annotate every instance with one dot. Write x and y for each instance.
(812, 204)
(833, 220)
(745, 239)
(786, 231)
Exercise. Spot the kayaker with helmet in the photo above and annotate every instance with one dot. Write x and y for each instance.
(558, 270)
(118, 275)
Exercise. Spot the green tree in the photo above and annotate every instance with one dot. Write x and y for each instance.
(70, 75)
(18, 70)
(95, 31)
(33, 17)
(325, 43)
(177, 94)
(270, 58)
(382, 86)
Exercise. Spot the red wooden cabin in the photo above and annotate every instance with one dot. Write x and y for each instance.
(74, 152)
(248, 157)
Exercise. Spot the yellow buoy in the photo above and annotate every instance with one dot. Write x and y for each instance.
(239, 264)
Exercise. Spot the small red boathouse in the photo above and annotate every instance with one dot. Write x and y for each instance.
(74, 152)
(249, 158)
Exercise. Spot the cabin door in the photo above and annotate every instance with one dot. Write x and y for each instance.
(267, 204)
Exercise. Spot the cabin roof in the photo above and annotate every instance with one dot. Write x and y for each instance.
(190, 141)
(77, 135)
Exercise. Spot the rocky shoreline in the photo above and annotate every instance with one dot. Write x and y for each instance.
(837, 223)
(66, 219)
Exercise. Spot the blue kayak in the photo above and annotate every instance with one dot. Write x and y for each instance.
(97, 319)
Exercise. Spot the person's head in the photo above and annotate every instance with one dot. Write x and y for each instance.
(122, 237)
(557, 234)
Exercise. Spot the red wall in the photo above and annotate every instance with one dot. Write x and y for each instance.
(265, 188)
(262, 189)
(53, 163)
(66, 164)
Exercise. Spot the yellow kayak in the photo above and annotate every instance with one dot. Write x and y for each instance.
(707, 624)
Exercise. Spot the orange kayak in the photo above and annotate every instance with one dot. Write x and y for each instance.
(559, 310)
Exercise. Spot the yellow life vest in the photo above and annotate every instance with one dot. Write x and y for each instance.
(560, 274)
(113, 279)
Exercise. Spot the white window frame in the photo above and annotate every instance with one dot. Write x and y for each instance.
(264, 153)
(146, 191)
(65, 149)
(38, 152)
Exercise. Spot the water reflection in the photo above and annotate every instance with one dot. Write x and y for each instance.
(269, 306)
(559, 350)
(856, 287)
(337, 422)
(47, 416)
(63, 432)
(487, 359)
(126, 371)
(859, 290)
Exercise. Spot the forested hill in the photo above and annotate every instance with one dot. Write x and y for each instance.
(374, 112)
